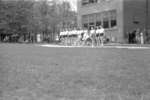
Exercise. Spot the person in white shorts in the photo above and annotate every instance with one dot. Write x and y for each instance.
(102, 35)
(85, 37)
(92, 35)
(62, 37)
(79, 37)
(141, 38)
(66, 37)
(98, 36)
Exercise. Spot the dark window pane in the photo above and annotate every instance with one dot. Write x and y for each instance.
(113, 17)
(85, 19)
(85, 25)
(92, 18)
(92, 1)
(98, 17)
(113, 23)
(105, 24)
(106, 19)
(98, 23)
(91, 24)
(85, 2)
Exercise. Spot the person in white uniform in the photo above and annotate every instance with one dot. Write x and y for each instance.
(66, 37)
(93, 35)
(142, 37)
(62, 36)
(85, 37)
(102, 35)
(79, 37)
(98, 36)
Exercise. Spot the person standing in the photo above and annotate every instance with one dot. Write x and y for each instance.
(129, 37)
(85, 38)
(65, 37)
(137, 36)
(141, 37)
(79, 37)
(93, 36)
(134, 36)
(98, 36)
(102, 35)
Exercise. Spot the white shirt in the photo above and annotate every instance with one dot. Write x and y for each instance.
(65, 33)
(79, 32)
(62, 33)
(102, 30)
(70, 32)
(99, 31)
(85, 36)
(92, 32)
(74, 32)
(85, 31)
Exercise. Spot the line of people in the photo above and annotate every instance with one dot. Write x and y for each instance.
(93, 37)
(136, 37)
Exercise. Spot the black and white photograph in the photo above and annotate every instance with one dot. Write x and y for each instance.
(74, 49)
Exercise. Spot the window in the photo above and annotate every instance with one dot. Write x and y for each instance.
(106, 24)
(92, 1)
(85, 21)
(91, 23)
(113, 23)
(98, 23)
(98, 19)
(85, 2)
(113, 19)
(92, 18)
(101, 1)
(85, 25)
(105, 19)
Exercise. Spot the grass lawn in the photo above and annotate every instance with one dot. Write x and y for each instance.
(29, 72)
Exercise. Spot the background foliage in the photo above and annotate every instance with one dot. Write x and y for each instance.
(29, 17)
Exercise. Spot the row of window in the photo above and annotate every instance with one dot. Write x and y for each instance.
(106, 19)
(86, 2)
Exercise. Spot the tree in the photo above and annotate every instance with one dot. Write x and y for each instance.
(26, 17)
(15, 17)
(67, 16)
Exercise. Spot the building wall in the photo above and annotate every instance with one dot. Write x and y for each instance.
(108, 5)
(149, 15)
(79, 13)
(135, 15)
(131, 14)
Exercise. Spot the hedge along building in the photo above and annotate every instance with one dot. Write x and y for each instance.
(118, 17)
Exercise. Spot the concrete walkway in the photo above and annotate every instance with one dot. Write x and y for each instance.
(117, 46)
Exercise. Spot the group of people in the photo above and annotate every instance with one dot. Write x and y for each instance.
(77, 37)
(135, 37)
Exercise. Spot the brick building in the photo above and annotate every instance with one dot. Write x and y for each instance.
(118, 17)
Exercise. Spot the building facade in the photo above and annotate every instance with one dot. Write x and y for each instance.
(118, 17)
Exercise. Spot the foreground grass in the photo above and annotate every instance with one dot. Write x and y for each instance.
(29, 72)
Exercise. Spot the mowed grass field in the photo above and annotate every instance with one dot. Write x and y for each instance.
(30, 72)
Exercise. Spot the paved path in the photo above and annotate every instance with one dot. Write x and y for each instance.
(106, 46)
